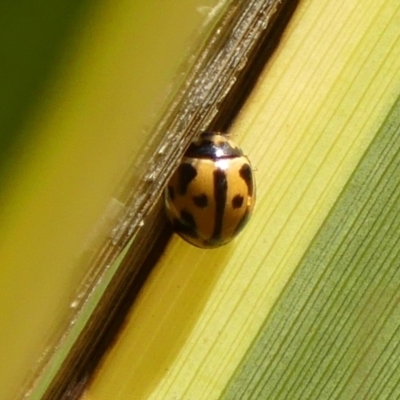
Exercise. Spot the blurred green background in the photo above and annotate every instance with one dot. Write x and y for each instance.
(33, 36)
(82, 85)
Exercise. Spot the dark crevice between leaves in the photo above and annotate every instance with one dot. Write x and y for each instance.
(103, 328)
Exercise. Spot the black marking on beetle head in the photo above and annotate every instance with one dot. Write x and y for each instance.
(186, 173)
(237, 201)
(247, 176)
(201, 200)
(220, 190)
(213, 147)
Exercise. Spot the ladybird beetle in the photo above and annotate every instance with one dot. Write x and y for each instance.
(210, 197)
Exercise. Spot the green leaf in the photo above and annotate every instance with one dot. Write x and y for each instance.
(335, 331)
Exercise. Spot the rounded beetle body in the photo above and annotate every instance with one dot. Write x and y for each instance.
(210, 197)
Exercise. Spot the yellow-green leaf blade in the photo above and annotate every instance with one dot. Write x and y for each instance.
(318, 106)
(329, 335)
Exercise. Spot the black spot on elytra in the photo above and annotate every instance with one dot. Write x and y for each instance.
(220, 189)
(237, 201)
(186, 173)
(186, 224)
(247, 176)
(188, 219)
(201, 200)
